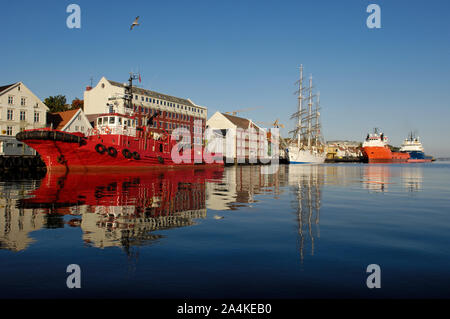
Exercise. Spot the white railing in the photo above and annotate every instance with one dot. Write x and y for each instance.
(116, 130)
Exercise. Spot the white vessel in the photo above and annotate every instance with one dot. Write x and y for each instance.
(414, 148)
(307, 146)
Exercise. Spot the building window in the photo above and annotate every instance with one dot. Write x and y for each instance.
(36, 117)
(22, 101)
(142, 99)
(10, 100)
(135, 97)
(10, 115)
(22, 115)
(9, 130)
(76, 128)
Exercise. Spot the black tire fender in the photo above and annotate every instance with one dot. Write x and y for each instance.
(100, 148)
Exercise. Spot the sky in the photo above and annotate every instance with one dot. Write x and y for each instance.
(232, 55)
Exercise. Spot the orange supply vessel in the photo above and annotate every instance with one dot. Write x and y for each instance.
(376, 150)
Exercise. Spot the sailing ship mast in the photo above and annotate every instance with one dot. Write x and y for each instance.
(300, 99)
(310, 103)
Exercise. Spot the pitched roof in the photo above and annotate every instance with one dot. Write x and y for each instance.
(241, 122)
(60, 119)
(156, 95)
(238, 121)
(2, 88)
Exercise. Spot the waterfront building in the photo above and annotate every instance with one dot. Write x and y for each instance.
(238, 145)
(108, 97)
(20, 109)
(343, 149)
(69, 121)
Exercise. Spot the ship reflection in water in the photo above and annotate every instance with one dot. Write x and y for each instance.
(122, 209)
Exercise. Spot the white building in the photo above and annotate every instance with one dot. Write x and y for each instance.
(239, 143)
(69, 121)
(20, 110)
(107, 97)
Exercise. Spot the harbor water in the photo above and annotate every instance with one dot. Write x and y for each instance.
(302, 231)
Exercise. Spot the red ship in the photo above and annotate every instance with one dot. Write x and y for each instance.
(376, 150)
(119, 141)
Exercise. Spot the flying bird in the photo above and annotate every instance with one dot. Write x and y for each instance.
(135, 23)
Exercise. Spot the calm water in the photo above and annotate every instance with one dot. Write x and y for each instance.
(305, 231)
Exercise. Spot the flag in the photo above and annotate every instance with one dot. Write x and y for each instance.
(139, 78)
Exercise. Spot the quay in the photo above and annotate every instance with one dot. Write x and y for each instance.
(27, 162)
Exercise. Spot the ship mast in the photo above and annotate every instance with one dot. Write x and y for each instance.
(317, 126)
(310, 113)
(129, 91)
(300, 99)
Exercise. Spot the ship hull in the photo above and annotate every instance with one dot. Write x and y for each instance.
(76, 153)
(375, 154)
(419, 157)
(296, 156)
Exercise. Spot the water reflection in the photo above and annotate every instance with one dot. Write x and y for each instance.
(241, 185)
(116, 209)
(306, 182)
(16, 223)
(381, 178)
(125, 210)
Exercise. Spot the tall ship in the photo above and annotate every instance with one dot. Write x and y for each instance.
(376, 150)
(414, 148)
(125, 140)
(307, 145)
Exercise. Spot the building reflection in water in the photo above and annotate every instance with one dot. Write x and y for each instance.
(240, 185)
(306, 182)
(115, 209)
(16, 223)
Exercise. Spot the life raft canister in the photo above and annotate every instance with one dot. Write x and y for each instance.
(112, 151)
(100, 148)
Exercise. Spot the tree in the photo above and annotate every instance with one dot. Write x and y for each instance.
(77, 103)
(56, 103)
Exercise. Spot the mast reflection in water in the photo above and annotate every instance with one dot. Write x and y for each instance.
(306, 182)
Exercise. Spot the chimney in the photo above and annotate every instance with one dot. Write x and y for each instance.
(88, 88)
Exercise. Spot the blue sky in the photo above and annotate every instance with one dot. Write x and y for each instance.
(230, 55)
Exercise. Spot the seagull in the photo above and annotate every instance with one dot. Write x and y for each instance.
(135, 23)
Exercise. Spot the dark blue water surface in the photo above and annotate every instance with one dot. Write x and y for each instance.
(303, 232)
